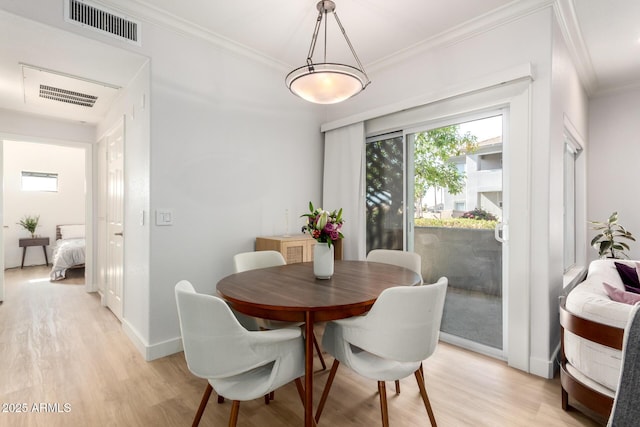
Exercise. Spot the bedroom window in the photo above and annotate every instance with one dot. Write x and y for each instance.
(39, 181)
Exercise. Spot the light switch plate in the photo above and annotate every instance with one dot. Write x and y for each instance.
(164, 217)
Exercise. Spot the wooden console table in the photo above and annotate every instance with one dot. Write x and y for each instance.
(297, 248)
(34, 241)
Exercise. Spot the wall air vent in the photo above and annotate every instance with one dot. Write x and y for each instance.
(68, 96)
(88, 15)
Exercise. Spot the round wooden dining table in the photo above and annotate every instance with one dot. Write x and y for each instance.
(292, 293)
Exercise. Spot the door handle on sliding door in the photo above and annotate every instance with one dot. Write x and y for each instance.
(501, 232)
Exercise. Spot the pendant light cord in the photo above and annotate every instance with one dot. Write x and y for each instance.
(325, 36)
(353, 52)
(314, 40)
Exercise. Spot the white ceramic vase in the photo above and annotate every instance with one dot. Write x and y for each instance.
(323, 261)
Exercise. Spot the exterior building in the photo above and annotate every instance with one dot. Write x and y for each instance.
(483, 189)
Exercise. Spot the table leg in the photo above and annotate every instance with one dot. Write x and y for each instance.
(24, 252)
(46, 260)
(308, 370)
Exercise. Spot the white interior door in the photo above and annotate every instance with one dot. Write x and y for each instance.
(115, 226)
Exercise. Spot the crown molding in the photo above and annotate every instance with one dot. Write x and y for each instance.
(154, 15)
(604, 92)
(564, 11)
(570, 28)
(482, 24)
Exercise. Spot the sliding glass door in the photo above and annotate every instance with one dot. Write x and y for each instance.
(438, 191)
(385, 192)
(457, 212)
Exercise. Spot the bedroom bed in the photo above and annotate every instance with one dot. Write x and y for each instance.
(69, 250)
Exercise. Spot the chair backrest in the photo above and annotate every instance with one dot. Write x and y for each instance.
(404, 322)
(410, 260)
(215, 344)
(259, 259)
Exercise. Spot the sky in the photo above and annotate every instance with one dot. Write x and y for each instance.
(483, 128)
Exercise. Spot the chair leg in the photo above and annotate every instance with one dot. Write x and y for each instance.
(315, 343)
(235, 409)
(300, 389)
(397, 386)
(325, 392)
(425, 398)
(203, 404)
(220, 399)
(269, 397)
(382, 389)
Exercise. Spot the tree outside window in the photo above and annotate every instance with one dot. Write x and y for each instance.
(433, 168)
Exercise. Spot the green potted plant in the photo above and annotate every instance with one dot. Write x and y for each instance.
(30, 223)
(607, 241)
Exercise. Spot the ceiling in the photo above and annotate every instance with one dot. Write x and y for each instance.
(605, 39)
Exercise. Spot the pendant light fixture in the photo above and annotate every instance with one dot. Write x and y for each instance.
(327, 82)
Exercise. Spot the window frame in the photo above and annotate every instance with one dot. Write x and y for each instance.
(574, 206)
(34, 177)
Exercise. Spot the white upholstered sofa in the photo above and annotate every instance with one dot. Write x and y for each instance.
(592, 328)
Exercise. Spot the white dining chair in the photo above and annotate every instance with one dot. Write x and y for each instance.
(262, 259)
(390, 341)
(238, 364)
(246, 261)
(410, 260)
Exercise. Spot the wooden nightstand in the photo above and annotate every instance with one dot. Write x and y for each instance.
(34, 241)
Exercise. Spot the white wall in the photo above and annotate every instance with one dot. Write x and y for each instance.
(66, 206)
(613, 172)
(231, 150)
(455, 63)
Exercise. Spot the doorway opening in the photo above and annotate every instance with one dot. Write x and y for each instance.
(51, 209)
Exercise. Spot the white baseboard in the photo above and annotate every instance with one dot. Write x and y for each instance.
(152, 351)
(164, 348)
(139, 343)
(545, 368)
(555, 361)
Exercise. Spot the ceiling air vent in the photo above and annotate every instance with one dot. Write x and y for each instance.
(89, 15)
(50, 90)
(68, 96)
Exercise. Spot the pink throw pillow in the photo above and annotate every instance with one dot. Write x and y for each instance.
(621, 296)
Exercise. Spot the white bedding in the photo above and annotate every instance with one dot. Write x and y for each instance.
(67, 253)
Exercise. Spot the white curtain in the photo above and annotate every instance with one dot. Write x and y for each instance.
(344, 183)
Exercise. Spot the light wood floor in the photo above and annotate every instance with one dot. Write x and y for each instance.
(59, 346)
